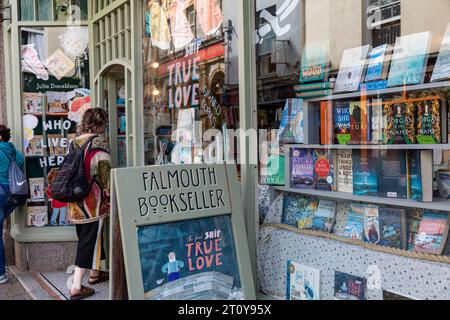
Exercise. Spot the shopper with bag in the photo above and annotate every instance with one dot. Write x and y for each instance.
(8, 156)
(83, 181)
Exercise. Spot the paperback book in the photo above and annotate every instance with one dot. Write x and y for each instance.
(37, 189)
(409, 59)
(442, 67)
(345, 171)
(302, 168)
(299, 212)
(324, 218)
(349, 287)
(429, 122)
(378, 121)
(392, 177)
(303, 282)
(371, 225)
(358, 122)
(351, 69)
(392, 227)
(291, 127)
(341, 119)
(365, 177)
(32, 102)
(314, 60)
(400, 124)
(37, 216)
(432, 234)
(414, 176)
(324, 170)
(378, 63)
(354, 228)
(413, 227)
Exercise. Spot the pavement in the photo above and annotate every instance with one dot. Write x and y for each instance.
(43, 286)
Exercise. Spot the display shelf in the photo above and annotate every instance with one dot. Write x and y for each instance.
(57, 114)
(372, 146)
(441, 205)
(37, 114)
(395, 90)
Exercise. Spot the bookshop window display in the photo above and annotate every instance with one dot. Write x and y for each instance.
(55, 92)
(190, 80)
(358, 151)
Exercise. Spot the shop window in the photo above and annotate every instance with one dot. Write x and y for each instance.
(55, 92)
(53, 10)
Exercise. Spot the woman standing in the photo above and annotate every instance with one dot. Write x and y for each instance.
(7, 153)
(89, 215)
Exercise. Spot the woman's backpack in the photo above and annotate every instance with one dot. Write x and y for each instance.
(71, 183)
(18, 183)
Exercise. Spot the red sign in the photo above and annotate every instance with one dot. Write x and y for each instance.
(211, 52)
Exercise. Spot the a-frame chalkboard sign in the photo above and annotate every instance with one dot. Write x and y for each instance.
(178, 232)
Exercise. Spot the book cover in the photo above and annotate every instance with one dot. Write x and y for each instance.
(121, 122)
(392, 227)
(365, 180)
(409, 59)
(354, 227)
(392, 177)
(414, 176)
(32, 102)
(314, 58)
(302, 283)
(291, 128)
(37, 216)
(275, 171)
(442, 67)
(326, 123)
(324, 217)
(299, 212)
(351, 69)
(371, 225)
(59, 64)
(349, 287)
(314, 86)
(429, 122)
(345, 171)
(432, 234)
(324, 169)
(37, 187)
(378, 121)
(376, 69)
(400, 124)
(413, 227)
(302, 168)
(358, 122)
(341, 120)
(35, 147)
(443, 182)
(314, 94)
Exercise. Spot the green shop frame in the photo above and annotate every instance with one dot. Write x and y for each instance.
(182, 234)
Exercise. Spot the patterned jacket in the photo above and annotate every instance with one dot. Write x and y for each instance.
(97, 166)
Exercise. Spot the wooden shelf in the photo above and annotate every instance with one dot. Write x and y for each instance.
(396, 90)
(372, 146)
(440, 205)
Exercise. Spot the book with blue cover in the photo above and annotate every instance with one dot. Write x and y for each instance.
(392, 227)
(409, 59)
(324, 218)
(392, 177)
(433, 232)
(291, 126)
(354, 228)
(302, 168)
(365, 177)
(414, 176)
(341, 120)
(378, 64)
(314, 60)
(442, 67)
(298, 211)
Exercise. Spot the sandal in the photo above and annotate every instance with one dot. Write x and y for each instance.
(83, 294)
(102, 277)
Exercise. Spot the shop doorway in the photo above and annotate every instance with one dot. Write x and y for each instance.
(113, 89)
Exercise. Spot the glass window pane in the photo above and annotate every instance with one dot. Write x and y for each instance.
(190, 80)
(27, 10)
(55, 91)
(44, 10)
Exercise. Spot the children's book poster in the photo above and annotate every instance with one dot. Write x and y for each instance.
(303, 282)
(190, 260)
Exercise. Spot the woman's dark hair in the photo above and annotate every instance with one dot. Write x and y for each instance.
(93, 119)
(5, 133)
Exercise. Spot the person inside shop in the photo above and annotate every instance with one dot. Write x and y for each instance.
(7, 152)
(90, 214)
